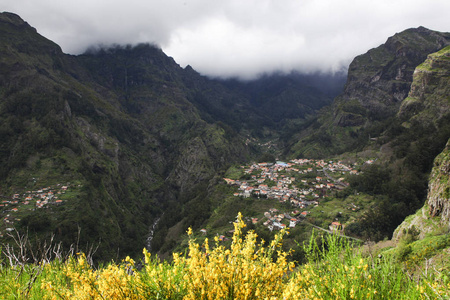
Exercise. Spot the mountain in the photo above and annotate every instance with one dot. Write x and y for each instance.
(429, 100)
(408, 147)
(377, 83)
(439, 187)
(97, 149)
(116, 126)
(380, 79)
(134, 137)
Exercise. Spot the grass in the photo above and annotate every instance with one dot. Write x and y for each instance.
(234, 172)
(345, 210)
(334, 269)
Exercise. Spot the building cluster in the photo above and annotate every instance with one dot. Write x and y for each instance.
(290, 182)
(275, 219)
(300, 182)
(29, 201)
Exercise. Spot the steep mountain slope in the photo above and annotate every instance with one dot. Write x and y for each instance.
(380, 79)
(429, 96)
(433, 217)
(131, 141)
(439, 187)
(416, 136)
(429, 100)
(377, 83)
(135, 137)
(150, 88)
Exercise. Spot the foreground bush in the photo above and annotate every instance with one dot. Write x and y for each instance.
(246, 270)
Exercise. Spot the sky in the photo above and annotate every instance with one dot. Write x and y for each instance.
(234, 38)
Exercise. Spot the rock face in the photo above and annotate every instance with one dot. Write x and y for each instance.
(121, 122)
(439, 187)
(435, 214)
(377, 84)
(428, 102)
(380, 79)
(429, 97)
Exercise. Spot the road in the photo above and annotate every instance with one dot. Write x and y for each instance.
(329, 231)
(334, 180)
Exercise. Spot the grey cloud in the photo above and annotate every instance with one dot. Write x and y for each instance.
(234, 37)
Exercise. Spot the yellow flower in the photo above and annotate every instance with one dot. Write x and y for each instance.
(129, 260)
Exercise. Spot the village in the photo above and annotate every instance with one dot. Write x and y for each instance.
(301, 182)
(20, 203)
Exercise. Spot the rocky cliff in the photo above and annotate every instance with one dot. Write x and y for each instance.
(377, 83)
(428, 103)
(117, 122)
(380, 79)
(439, 187)
(429, 97)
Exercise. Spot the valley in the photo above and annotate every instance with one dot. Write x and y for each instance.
(297, 195)
(147, 148)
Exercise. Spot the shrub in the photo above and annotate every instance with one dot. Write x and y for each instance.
(245, 270)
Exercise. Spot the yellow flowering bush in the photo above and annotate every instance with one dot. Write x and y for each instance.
(245, 270)
(83, 282)
(162, 280)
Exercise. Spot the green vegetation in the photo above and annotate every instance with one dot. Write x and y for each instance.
(140, 139)
(118, 122)
(333, 269)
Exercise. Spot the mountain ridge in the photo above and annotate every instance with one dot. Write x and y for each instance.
(141, 139)
(377, 83)
(54, 112)
(137, 133)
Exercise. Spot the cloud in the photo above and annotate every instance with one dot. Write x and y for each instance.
(234, 37)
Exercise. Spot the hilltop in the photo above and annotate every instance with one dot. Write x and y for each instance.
(143, 145)
(120, 149)
(62, 123)
(142, 137)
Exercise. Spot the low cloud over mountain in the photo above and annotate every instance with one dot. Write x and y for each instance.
(234, 38)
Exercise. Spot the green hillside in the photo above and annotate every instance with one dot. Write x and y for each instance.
(63, 125)
(120, 148)
(133, 136)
